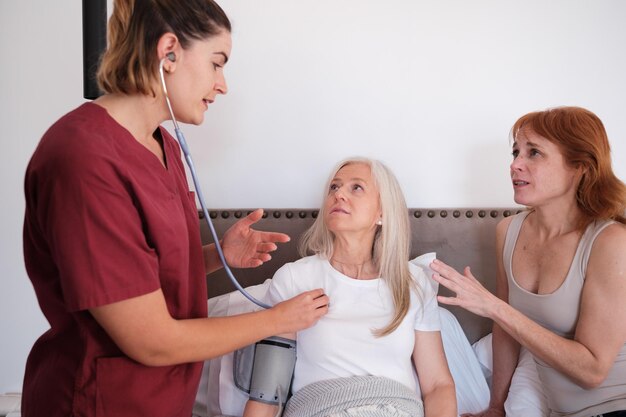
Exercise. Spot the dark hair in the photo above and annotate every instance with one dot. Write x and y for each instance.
(130, 63)
(582, 139)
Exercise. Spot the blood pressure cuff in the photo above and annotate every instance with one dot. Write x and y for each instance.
(264, 370)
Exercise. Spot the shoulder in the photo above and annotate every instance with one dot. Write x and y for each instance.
(300, 266)
(501, 228)
(75, 142)
(610, 244)
(605, 273)
(312, 261)
(614, 231)
(503, 225)
(295, 277)
(86, 120)
(607, 263)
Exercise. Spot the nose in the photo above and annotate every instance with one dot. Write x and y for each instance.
(339, 195)
(517, 164)
(220, 83)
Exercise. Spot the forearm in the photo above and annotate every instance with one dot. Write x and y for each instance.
(144, 330)
(259, 409)
(567, 356)
(212, 261)
(440, 402)
(193, 340)
(505, 358)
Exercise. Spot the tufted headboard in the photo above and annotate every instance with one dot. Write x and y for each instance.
(459, 236)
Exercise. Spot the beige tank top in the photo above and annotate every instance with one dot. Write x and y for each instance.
(558, 312)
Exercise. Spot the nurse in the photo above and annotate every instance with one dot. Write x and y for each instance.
(111, 234)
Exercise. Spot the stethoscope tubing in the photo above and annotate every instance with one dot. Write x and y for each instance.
(183, 145)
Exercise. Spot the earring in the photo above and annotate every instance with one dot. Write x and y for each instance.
(379, 222)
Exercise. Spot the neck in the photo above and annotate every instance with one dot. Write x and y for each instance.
(353, 260)
(354, 249)
(365, 270)
(138, 113)
(553, 221)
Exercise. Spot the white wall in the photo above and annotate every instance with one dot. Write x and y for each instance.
(430, 87)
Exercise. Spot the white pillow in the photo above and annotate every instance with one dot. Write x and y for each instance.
(526, 397)
(472, 390)
(207, 398)
(217, 393)
(231, 399)
(424, 261)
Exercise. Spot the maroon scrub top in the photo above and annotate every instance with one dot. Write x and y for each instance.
(106, 221)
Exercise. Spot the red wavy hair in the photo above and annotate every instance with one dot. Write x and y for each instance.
(582, 139)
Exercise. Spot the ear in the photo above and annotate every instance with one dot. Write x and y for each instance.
(168, 44)
(581, 170)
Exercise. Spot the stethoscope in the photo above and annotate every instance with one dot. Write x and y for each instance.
(183, 145)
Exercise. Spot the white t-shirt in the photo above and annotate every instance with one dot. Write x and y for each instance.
(341, 344)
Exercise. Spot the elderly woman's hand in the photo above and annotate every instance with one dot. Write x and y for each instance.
(245, 247)
(470, 294)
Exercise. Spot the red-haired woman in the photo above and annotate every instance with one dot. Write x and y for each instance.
(561, 279)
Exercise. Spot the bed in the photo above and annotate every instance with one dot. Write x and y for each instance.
(458, 236)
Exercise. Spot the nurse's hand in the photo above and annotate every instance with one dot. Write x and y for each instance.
(300, 312)
(245, 247)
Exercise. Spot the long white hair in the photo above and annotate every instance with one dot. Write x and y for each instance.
(392, 241)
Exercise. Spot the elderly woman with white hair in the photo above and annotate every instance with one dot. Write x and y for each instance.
(383, 319)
